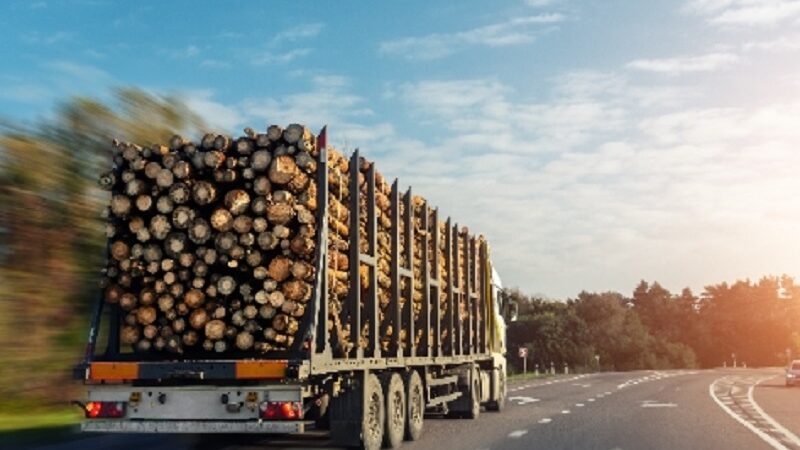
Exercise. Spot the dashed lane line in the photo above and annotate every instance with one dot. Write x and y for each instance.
(517, 434)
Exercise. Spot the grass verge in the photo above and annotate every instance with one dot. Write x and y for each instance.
(22, 430)
(529, 376)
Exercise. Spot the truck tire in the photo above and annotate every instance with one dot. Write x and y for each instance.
(415, 401)
(395, 395)
(374, 414)
(474, 394)
(499, 403)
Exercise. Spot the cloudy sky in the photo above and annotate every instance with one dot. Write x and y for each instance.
(594, 143)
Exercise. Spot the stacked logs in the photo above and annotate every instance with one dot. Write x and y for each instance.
(212, 243)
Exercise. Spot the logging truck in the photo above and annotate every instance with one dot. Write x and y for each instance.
(382, 314)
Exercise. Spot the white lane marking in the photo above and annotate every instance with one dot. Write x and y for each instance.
(659, 405)
(589, 399)
(517, 434)
(608, 393)
(566, 411)
(764, 436)
(545, 420)
(523, 400)
(778, 427)
(579, 405)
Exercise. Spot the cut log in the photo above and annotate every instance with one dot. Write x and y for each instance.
(279, 268)
(243, 224)
(204, 193)
(282, 169)
(129, 335)
(120, 205)
(182, 216)
(226, 285)
(127, 301)
(224, 242)
(280, 213)
(146, 315)
(221, 219)
(262, 185)
(194, 298)
(199, 231)
(179, 193)
(159, 227)
(120, 250)
(175, 243)
(164, 204)
(198, 319)
(215, 329)
(144, 202)
(164, 179)
(260, 160)
(244, 340)
(237, 201)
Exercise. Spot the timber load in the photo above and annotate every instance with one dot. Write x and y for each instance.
(224, 246)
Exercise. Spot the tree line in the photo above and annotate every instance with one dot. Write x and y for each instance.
(753, 322)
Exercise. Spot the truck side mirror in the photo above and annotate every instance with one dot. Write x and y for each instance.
(512, 311)
(510, 308)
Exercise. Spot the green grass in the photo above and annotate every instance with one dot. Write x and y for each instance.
(21, 430)
(528, 376)
(47, 419)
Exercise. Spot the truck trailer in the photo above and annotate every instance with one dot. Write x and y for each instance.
(449, 359)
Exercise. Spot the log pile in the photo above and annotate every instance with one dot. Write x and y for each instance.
(212, 244)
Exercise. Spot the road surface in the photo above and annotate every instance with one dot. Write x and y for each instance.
(724, 408)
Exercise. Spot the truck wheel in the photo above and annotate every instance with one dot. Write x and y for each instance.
(415, 399)
(499, 403)
(395, 395)
(475, 397)
(374, 414)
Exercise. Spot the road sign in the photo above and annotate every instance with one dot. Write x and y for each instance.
(523, 352)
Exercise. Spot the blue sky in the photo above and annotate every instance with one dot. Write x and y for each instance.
(594, 143)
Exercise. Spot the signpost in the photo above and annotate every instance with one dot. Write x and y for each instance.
(523, 353)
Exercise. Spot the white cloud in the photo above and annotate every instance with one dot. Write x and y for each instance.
(540, 3)
(788, 43)
(731, 13)
(685, 64)
(301, 31)
(218, 116)
(269, 57)
(629, 188)
(188, 52)
(215, 64)
(79, 71)
(27, 93)
(37, 38)
(519, 30)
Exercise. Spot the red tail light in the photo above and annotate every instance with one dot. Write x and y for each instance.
(281, 410)
(96, 410)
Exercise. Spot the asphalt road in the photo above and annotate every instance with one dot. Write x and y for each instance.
(730, 409)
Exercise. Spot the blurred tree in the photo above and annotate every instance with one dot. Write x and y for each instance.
(50, 229)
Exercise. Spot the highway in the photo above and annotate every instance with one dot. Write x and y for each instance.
(722, 408)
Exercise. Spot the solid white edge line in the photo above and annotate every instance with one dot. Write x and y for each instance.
(789, 435)
(764, 436)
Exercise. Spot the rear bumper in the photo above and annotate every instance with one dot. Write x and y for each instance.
(191, 426)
